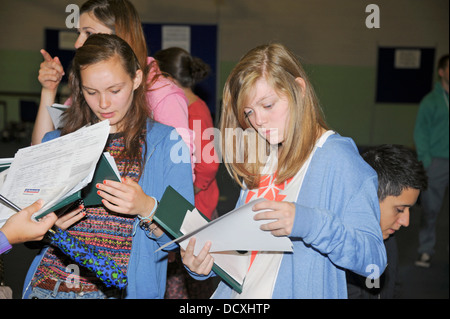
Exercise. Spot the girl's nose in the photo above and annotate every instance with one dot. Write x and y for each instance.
(104, 101)
(79, 43)
(260, 118)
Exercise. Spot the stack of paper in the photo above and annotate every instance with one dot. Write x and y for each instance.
(5, 163)
(54, 170)
(236, 230)
(230, 235)
(56, 111)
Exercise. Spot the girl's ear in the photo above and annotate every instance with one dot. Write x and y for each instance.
(301, 82)
(137, 79)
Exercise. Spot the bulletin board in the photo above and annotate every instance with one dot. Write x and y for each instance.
(199, 40)
(60, 43)
(405, 74)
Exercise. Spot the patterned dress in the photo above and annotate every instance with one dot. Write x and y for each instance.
(110, 233)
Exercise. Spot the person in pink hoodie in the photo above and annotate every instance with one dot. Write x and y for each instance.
(167, 102)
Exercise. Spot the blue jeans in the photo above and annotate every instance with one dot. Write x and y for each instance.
(431, 201)
(40, 293)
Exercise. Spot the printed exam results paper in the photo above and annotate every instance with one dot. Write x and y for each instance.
(55, 169)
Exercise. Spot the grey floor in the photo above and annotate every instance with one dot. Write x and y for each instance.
(415, 282)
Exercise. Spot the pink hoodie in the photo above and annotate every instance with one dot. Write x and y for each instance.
(169, 106)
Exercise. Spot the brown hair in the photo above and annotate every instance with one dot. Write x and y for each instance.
(280, 67)
(98, 48)
(183, 67)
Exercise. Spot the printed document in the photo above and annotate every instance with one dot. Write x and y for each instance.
(55, 169)
(236, 230)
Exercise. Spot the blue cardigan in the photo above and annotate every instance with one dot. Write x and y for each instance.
(147, 270)
(336, 227)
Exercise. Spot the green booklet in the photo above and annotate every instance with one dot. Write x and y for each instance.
(5, 163)
(170, 216)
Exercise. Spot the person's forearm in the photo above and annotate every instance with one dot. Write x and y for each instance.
(43, 123)
(4, 243)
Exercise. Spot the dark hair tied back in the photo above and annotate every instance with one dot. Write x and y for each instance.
(183, 67)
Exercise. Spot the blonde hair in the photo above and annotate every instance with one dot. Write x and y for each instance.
(280, 68)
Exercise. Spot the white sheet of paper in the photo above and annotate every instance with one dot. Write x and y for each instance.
(113, 163)
(6, 161)
(234, 263)
(55, 111)
(236, 230)
(53, 169)
(192, 221)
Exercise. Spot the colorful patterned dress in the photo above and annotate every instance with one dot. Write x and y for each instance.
(109, 232)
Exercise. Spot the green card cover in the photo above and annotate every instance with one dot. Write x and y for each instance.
(170, 215)
(3, 167)
(103, 171)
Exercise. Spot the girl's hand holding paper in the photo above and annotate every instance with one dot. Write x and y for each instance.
(126, 197)
(201, 264)
(282, 212)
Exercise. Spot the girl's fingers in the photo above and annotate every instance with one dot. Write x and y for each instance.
(47, 57)
(67, 220)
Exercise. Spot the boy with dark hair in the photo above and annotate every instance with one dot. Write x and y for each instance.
(401, 178)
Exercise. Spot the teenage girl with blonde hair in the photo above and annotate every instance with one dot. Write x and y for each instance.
(319, 191)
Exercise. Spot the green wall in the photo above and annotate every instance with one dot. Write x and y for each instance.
(18, 74)
(347, 95)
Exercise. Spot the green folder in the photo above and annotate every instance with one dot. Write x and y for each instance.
(170, 215)
(88, 194)
(4, 167)
(6, 163)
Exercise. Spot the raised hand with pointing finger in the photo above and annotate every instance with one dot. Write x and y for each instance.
(50, 72)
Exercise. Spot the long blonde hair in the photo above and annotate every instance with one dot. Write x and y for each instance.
(280, 67)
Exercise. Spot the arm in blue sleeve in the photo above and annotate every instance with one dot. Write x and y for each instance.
(353, 241)
(5, 246)
(178, 175)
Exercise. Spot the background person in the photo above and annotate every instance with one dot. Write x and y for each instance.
(20, 227)
(166, 102)
(431, 134)
(187, 71)
(401, 178)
